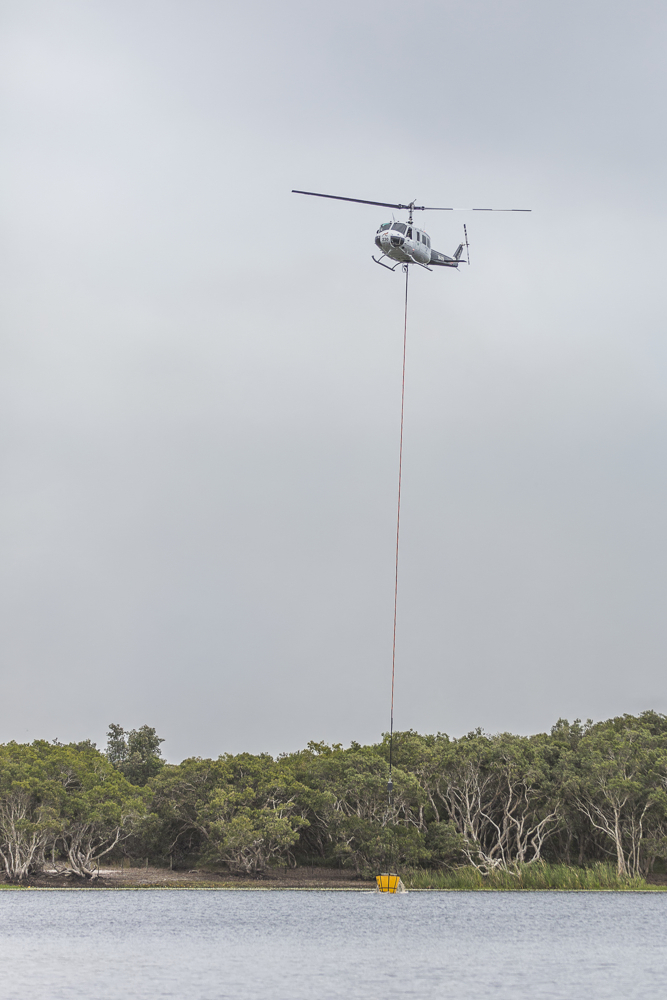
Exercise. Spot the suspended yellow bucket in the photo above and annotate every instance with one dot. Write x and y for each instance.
(389, 883)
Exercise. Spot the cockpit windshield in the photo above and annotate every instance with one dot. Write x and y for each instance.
(385, 225)
(400, 227)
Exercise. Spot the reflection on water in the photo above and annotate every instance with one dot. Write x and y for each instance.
(254, 945)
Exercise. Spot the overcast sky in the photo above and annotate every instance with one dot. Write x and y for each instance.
(200, 376)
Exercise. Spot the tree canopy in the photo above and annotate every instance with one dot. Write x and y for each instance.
(582, 792)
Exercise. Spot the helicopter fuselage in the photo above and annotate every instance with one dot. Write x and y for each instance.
(405, 243)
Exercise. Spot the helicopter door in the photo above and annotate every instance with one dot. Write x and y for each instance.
(422, 254)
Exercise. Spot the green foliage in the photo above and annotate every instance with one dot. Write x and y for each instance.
(99, 810)
(61, 800)
(174, 828)
(253, 818)
(243, 811)
(351, 819)
(136, 753)
(617, 780)
(30, 800)
(445, 844)
(486, 810)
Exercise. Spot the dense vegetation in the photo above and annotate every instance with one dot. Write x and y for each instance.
(500, 805)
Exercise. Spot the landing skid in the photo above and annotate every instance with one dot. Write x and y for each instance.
(384, 265)
(396, 265)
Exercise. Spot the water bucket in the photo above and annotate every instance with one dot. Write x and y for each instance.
(388, 882)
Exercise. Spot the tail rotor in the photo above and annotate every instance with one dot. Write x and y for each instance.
(465, 242)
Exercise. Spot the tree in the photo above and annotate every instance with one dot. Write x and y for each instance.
(253, 818)
(617, 777)
(175, 827)
(61, 799)
(496, 791)
(136, 753)
(29, 808)
(98, 810)
(351, 817)
(242, 811)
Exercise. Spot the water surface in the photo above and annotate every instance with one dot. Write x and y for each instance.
(255, 945)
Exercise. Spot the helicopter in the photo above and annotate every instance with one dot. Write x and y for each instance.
(404, 242)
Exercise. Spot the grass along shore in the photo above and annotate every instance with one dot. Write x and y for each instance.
(537, 876)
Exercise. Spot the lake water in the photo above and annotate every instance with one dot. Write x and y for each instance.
(282, 945)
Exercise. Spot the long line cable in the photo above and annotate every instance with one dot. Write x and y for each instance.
(390, 786)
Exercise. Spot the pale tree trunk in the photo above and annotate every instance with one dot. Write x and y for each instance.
(499, 817)
(85, 847)
(608, 822)
(25, 834)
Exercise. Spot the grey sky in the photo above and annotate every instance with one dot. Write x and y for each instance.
(201, 374)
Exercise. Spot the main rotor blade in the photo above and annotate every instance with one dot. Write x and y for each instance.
(359, 201)
(431, 208)
(415, 208)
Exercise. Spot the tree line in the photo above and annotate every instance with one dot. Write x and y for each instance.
(580, 794)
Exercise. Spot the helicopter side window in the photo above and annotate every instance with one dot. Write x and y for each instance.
(409, 234)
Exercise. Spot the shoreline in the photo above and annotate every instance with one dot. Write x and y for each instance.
(164, 878)
(306, 879)
(285, 888)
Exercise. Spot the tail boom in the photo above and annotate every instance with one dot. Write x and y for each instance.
(442, 260)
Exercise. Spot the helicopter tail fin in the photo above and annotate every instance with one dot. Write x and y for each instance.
(458, 252)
